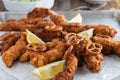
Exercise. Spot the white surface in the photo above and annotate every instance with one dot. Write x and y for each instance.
(27, 6)
(110, 66)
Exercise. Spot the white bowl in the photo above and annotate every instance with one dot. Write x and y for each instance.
(97, 1)
(15, 6)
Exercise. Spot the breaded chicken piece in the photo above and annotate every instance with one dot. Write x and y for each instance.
(39, 12)
(116, 47)
(102, 29)
(47, 32)
(15, 51)
(58, 19)
(105, 41)
(25, 56)
(36, 48)
(8, 40)
(19, 25)
(73, 27)
(49, 56)
(70, 69)
(31, 21)
(32, 48)
(93, 57)
(6, 35)
(12, 25)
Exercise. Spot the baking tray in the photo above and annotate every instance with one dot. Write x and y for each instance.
(111, 18)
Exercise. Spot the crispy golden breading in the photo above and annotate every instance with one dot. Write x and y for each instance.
(6, 35)
(102, 29)
(105, 41)
(19, 25)
(25, 56)
(36, 47)
(8, 40)
(49, 56)
(44, 23)
(39, 12)
(11, 25)
(80, 48)
(93, 57)
(15, 51)
(73, 27)
(73, 39)
(68, 52)
(32, 21)
(70, 69)
(116, 47)
(94, 62)
(32, 48)
(52, 44)
(58, 19)
(47, 35)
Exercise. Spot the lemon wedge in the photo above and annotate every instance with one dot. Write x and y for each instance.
(48, 71)
(32, 38)
(77, 18)
(87, 34)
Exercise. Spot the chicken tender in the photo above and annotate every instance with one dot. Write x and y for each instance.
(48, 33)
(93, 57)
(15, 51)
(11, 25)
(8, 40)
(39, 12)
(73, 27)
(49, 56)
(19, 25)
(116, 47)
(70, 69)
(58, 19)
(105, 41)
(102, 29)
(33, 48)
(31, 21)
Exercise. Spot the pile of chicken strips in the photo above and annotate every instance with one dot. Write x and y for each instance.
(62, 42)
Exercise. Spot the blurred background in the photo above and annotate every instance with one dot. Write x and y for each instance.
(85, 4)
(79, 5)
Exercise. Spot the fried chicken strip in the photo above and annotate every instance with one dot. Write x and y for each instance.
(19, 25)
(6, 36)
(102, 29)
(116, 47)
(31, 21)
(49, 56)
(109, 45)
(70, 69)
(39, 12)
(93, 57)
(73, 27)
(105, 41)
(32, 48)
(15, 51)
(8, 40)
(58, 19)
(47, 31)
